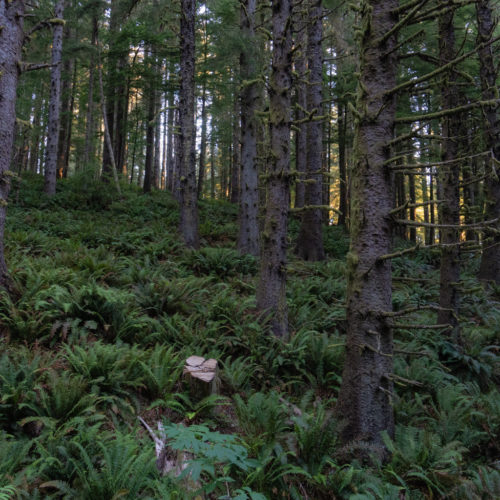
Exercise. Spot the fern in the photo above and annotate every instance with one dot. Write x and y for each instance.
(261, 417)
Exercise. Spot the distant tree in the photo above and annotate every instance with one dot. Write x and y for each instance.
(55, 100)
(300, 67)
(187, 155)
(310, 240)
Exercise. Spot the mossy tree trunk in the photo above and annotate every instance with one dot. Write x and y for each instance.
(271, 289)
(11, 40)
(490, 260)
(449, 176)
(150, 127)
(342, 143)
(248, 236)
(300, 66)
(187, 154)
(365, 399)
(55, 102)
(310, 241)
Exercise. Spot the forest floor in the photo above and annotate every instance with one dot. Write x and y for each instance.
(108, 307)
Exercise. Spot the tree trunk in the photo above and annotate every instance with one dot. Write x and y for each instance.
(248, 236)
(365, 398)
(116, 98)
(88, 151)
(55, 102)
(158, 136)
(235, 171)
(342, 135)
(11, 40)
(68, 104)
(170, 142)
(203, 138)
(271, 289)
(150, 133)
(300, 65)
(212, 166)
(432, 209)
(490, 259)
(188, 188)
(449, 180)
(310, 240)
(413, 199)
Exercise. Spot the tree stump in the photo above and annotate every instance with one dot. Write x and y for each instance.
(202, 377)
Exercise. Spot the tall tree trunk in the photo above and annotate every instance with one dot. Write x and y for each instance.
(300, 64)
(342, 138)
(157, 117)
(449, 175)
(490, 259)
(67, 108)
(271, 289)
(212, 165)
(116, 95)
(310, 239)
(203, 138)
(150, 133)
(11, 40)
(188, 189)
(432, 208)
(55, 102)
(248, 235)
(88, 150)
(365, 398)
(425, 199)
(236, 160)
(413, 199)
(163, 176)
(37, 126)
(170, 142)
(176, 187)
(107, 134)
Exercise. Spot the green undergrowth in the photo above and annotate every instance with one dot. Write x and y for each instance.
(108, 306)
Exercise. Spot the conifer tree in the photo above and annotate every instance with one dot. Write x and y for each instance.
(271, 290)
(187, 156)
(55, 100)
(365, 398)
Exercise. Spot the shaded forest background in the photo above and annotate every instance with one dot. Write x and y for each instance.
(307, 192)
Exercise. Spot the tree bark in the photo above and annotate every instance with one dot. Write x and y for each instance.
(300, 65)
(11, 40)
(203, 137)
(365, 398)
(55, 102)
(248, 236)
(150, 132)
(67, 108)
(236, 160)
(170, 142)
(449, 176)
(37, 127)
(88, 151)
(342, 137)
(490, 260)
(271, 289)
(188, 188)
(310, 240)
